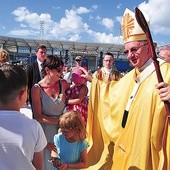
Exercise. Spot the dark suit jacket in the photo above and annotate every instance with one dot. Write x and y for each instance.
(33, 76)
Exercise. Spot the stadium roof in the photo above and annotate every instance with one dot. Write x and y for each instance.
(27, 46)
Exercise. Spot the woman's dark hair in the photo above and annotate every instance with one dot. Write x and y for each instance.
(52, 62)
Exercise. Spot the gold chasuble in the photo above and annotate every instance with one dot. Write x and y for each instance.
(137, 146)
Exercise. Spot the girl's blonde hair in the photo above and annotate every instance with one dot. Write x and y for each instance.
(74, 121)
(4, 56)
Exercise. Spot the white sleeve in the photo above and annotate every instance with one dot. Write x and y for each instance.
(41, 139)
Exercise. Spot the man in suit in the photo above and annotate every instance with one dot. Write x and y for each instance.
(34, 69)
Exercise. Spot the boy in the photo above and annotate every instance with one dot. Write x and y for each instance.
(22, 140)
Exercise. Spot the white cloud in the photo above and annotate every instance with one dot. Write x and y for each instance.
(3, 27)
(56, 7)
(105, 38)
(71, 24)
(24, 16)
(23, 25)
(75, 37)
(159, 30)
(95, 7)
(158, 12)
(69, 27)
(119, 6)
(98, 17)
(119, 19)
(82, 10)
(108, 23)
(91, 17)
(21, 33)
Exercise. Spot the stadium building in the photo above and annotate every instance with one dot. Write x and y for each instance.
(23, 51)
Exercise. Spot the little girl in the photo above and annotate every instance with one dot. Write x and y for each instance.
(70, 143)
(77, 94)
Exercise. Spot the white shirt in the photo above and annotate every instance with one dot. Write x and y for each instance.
(107, 71)
(20, 138)
(40, 68)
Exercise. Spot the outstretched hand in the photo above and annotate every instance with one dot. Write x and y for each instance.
(86, 75)
(51, 147)
(62, 167)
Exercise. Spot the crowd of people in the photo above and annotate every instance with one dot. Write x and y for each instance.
(124, 123)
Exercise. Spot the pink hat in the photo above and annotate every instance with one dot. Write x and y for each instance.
(76, 76)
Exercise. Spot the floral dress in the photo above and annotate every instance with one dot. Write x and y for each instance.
(82, 108)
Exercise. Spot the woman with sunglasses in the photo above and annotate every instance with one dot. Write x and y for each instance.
(48, 101)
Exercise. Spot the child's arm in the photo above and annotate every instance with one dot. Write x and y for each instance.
(79, 165)
(38, 160)
(54, 159)
(54, 154)
(83, 92)
(86, 75)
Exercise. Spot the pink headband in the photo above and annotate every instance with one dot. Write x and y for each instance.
(76, 76)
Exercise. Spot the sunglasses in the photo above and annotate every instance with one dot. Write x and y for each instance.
(134, 49)
(59, 69)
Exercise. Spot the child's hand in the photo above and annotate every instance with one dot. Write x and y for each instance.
(56, 162)
(62, 97)
(63, 167)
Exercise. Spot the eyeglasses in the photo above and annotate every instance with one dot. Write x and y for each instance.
(108, 61)
(134, 49)
(59, 70)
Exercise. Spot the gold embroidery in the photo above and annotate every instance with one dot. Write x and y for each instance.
(131, 30)
(128, 26)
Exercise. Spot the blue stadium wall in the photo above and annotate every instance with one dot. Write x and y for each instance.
(123, 65)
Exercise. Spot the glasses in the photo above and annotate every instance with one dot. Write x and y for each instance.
(58, 69)
(134, 49)
(108, 61)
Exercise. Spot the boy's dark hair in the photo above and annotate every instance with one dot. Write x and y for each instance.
(13, 79)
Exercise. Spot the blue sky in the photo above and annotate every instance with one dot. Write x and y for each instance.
(79, 20)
